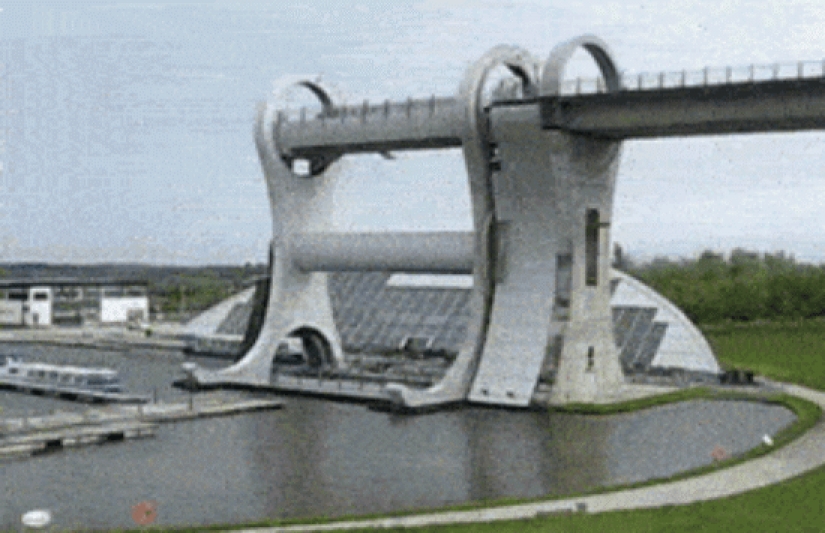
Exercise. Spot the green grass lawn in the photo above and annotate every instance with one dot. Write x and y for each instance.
(787, 351)
(796, 505)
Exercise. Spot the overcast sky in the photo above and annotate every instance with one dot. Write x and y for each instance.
(126, 127)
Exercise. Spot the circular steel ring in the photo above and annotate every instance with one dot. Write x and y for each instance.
(552, 74)
(269, 123)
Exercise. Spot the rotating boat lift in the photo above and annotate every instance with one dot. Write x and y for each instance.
(542, 202)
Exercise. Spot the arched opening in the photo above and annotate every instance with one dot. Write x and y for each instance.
(317, 350)
(302, 105)
(305, 347)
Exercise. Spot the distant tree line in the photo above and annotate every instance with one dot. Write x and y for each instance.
(746, 286)
(188, 292)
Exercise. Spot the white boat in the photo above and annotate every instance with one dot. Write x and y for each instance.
(59, 377)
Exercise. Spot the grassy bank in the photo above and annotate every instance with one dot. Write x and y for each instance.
(787, 351)
(698, 393)
(795, 505)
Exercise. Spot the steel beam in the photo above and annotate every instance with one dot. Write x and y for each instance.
(777, 105)
(414, 124)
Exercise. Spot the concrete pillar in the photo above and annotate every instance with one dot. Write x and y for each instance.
(298, 300)
(553, 197)
(585, 172)
(589, 367)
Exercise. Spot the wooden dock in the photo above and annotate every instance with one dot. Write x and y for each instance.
(36, 441)
(196, 407)
(32, 435)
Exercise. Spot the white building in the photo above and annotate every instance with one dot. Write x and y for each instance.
(43, 302)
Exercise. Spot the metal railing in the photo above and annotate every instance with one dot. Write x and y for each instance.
(369, 111)
(708, 76)
(642, 81)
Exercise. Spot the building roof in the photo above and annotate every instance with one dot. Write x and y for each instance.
(50, 282)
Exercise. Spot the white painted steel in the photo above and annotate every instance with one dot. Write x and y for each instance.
(525, 204)
(37, 311)
(298, 300)
(455, 385)
(37, 519)
(425, 123)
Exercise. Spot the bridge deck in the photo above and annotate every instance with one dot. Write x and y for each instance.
(634, 112)
(747, 107)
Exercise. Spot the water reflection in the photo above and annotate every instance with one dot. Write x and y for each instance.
(318, 457)
(528, 454)
(673, 438)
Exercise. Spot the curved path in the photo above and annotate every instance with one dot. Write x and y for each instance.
(802, 455)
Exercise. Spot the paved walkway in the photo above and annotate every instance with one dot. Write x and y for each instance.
(802, 455)
(164, 336)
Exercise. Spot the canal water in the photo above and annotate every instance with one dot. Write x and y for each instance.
(322, 458)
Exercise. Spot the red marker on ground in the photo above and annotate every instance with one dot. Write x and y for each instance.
(144, 513)
(719, 454)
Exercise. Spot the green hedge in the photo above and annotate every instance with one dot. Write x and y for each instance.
(744, 287)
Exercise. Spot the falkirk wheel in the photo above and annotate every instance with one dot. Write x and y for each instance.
(539, 252)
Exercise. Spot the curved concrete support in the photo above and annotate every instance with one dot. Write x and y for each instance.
(477, 155)
(553, 199)
(585, 173)
(298, 301)
(552, 75)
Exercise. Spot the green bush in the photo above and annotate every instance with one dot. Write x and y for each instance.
(745, 287)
